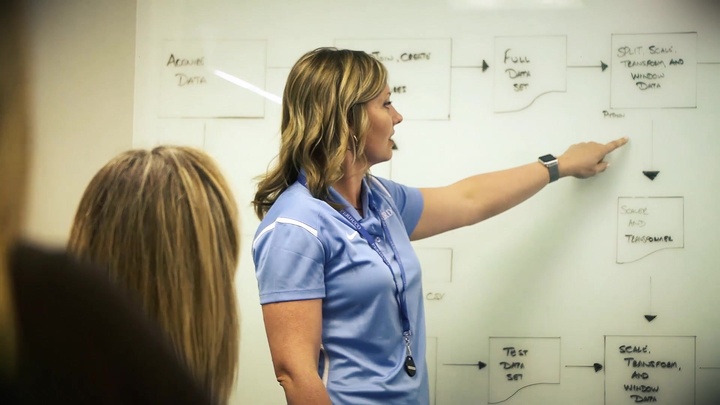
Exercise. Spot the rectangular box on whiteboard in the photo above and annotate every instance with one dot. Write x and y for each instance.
(647, 225)
(191, 88)
(418, 70)
(527, 68)
(659, 369)
(654, 71)
(518, 363)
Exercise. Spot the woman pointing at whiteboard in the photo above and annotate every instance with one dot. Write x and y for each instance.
(340, 284)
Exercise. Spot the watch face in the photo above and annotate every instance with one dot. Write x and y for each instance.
(547, 158)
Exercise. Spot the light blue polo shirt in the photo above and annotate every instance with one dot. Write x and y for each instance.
(305, 249)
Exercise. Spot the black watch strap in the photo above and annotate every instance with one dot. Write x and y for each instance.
(551, 163)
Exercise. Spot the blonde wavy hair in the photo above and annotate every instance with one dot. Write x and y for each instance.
(323, 116)
(14, 156)
(165, 225)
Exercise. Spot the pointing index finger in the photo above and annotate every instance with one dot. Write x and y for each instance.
(612, 145)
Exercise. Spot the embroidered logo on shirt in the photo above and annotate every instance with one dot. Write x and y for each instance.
(352, 236)
(387, 213)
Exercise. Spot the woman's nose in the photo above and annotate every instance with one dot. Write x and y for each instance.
(398, 118)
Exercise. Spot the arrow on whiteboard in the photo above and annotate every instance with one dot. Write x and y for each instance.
(596, 366)
(651, 174)
(649, 316)
(602, 66)
(480, 365)
(484, 66)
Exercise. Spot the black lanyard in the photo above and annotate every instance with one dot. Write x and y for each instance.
(399, 293)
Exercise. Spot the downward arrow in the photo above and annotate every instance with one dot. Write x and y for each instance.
(651, 174)
(649, 315)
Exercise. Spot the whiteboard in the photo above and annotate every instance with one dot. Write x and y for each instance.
(490, 85)
(193, 80)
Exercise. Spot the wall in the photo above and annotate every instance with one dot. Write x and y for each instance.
(605, 289)
(82, 66)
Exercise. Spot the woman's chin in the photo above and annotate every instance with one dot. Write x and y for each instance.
(381, 159)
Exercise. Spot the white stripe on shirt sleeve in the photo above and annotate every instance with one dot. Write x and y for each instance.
(282, 220)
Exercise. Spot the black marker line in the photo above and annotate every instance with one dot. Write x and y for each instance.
(652, 145)
(484, 66)
(529, 385)
(596, 366)
(652, 173)
(480, 365)
(602, 66)
(531, 103)
(650, 315)
(650, 295)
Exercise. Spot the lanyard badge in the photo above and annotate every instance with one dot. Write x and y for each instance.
(410, 367)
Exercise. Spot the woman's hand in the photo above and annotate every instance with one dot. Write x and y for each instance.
(585, 159)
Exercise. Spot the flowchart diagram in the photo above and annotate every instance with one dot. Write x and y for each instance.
(643, 71)
(635, 369)
(647, 71)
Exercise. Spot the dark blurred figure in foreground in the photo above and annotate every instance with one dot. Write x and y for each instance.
(66, 334)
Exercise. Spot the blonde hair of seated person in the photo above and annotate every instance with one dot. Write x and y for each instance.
(165, 225)
(14, 154)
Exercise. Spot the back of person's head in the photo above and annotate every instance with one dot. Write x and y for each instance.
(14, 139)
(165, 225)
(323, 116)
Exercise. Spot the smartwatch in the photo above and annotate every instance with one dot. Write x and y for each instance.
(551, 163)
